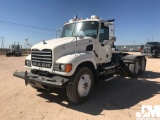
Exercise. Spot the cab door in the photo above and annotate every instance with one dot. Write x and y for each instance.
(104, 47)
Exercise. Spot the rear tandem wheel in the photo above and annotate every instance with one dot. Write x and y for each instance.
(138, 67)
(142, 65)
(134, 68)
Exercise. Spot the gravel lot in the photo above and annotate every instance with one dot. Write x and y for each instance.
(118, 99)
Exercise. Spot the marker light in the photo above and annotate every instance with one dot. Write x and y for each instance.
(68, 67)
(94, 17)
(71, 20)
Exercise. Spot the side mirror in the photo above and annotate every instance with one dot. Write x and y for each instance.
(81, 35)
(110, 41)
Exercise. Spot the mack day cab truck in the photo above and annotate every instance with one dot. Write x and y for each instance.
(79, 59)
(15, 50)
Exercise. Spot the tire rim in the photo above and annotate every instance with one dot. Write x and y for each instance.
(84, 85)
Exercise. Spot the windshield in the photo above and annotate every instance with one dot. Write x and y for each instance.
(90, 28)
(15, 47)
(151, 43)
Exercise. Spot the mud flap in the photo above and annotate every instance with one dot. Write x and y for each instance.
(26, 78)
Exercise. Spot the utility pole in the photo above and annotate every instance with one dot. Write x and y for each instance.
(2, 45)
(27, 45)
(134, 45)
(134, 42)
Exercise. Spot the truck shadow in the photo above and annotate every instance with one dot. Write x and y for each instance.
(120, 93)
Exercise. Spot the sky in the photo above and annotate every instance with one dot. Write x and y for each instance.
(136, 21)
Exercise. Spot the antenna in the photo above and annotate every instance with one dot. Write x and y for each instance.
(134, 42)
(27, 44)
(75, 17)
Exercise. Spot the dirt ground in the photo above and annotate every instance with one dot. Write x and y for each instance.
(118, 99)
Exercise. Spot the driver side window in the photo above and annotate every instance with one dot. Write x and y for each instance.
(104, 34)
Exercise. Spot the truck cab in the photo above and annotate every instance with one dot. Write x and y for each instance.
(81, 40)
(79, 59)
(151, 49)
(14, 50)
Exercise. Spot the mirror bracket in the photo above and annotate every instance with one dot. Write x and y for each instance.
(102, 44)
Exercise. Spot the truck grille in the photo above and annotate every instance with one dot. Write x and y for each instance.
(42, 58)
(147, 50)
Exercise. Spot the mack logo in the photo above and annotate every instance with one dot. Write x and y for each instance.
(46, 65)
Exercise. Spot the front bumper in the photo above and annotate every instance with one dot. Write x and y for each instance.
(36, 80)
(148, 54)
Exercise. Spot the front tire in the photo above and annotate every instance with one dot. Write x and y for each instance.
(7, 54)
(80, 85)
(156, 54)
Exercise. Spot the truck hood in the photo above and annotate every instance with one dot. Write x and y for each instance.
(51, 44)
(59, 47)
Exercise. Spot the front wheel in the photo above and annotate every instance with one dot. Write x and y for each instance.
(156, 54)
(7, 55)
(80, 85)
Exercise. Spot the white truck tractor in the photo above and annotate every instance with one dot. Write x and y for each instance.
(78, 60)
(15, 50)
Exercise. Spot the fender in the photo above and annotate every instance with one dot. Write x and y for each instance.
(75, 60)
(131, 58)
(28, 58)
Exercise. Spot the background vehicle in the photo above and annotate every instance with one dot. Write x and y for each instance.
(14, 50)
(151, 49)
(82, 57)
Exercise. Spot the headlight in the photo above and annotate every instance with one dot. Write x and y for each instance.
(153, 50)
(28, 63)
(63, 67)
